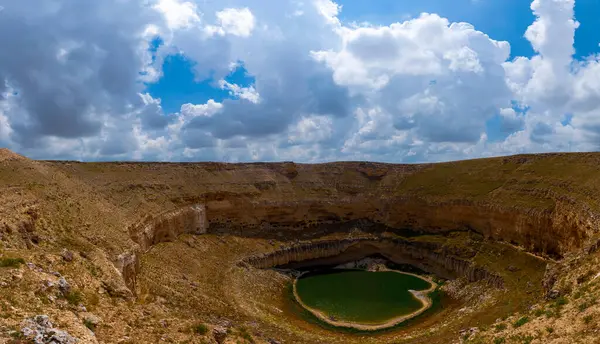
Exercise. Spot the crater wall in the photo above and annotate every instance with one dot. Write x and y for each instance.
(164, 227)
(424, 255)
(546, 204)
(548, 231)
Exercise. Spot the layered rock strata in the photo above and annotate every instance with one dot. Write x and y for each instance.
(423, 255)
(162, 228)
(550, 232)
(168, 226)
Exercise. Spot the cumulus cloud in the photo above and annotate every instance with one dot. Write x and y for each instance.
(179, 15)
(248, 93)
(233, 21)
(73, 66)
(425, 89)
(554, 86)
(430, 81)
(510, 121)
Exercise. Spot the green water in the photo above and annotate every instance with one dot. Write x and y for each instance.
(361, 296)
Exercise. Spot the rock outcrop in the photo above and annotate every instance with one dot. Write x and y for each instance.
(168, 226)
(424, 255)
(165, 227)
(39, 330)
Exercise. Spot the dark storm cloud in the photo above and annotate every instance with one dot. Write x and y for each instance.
(304, 88)
(151, 115)
(194, 138)
(3, 87)
(541, 132)
(71, 62)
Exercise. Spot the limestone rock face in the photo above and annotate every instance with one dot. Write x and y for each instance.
(67, 255)
(422, 255)
(40, 330)
(63, 285)
(168, 226)
(164, 227)
(550, 232)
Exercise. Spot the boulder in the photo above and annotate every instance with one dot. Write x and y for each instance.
(67, 255)
(39, 330)
(220, 333)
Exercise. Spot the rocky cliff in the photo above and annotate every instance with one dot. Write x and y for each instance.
(424, 255)
(546, 231)
(164, 227)
(527, 200)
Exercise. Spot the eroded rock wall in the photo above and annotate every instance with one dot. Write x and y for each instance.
(164, 227)
(290, 201)
(424, 255)
(553, 232)
(168, 226)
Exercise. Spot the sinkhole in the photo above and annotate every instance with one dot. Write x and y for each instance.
(365, 300)
(369, 294)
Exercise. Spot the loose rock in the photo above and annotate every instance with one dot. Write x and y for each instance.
(220, 333)
(63, 285)
(40, 330)
(67, 255)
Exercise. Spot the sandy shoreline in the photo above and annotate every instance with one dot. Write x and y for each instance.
(420, 295)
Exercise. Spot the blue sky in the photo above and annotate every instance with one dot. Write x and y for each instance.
(418, 92)
(179, 85)
(500, 19)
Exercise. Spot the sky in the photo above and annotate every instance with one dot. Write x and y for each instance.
(302, 80)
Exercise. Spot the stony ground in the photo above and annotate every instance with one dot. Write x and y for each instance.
(63, 226)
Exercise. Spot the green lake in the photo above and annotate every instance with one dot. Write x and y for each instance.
(360, 296)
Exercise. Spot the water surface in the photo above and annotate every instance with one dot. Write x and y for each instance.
(361, 296)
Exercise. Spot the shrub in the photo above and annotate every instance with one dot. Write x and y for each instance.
(200, 329)
(500, 327)
(552, 313)
(74, 297)
(246, 335)
(89, 324)
(521, 321)
(499, 340)
(527, 339)
(11, 262)
(550, 329)
(561, 301)
(587, 319)
(586, 304)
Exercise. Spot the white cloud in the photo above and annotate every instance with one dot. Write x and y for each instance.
(425, 46)
(179, 15)
(427, 82)
(233, 21)
(310, 130)
(421, 89)
(552, 84)
(5, 107)
(329, 10)
(208, 109)
(247, 93)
